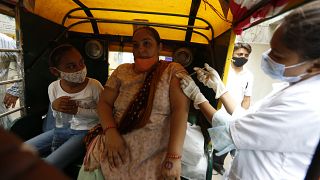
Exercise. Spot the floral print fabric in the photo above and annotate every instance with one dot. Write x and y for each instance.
(147, 145)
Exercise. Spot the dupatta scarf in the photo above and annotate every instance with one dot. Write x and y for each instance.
(138, 112)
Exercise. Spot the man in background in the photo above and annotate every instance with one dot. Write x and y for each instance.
(240, 79)
(8, 62)
(239, 85)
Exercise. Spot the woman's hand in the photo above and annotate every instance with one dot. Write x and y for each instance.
(65, 104)
(171, 169)
(116, 151)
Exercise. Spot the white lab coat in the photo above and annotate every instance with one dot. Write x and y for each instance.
(278, 139)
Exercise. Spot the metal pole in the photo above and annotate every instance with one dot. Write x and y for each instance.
(148, 24)
(10, 50)
(20, 56)
(11, 81)
(139, 22)
(12, 111)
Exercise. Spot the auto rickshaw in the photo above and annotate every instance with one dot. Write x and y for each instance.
(193, 32)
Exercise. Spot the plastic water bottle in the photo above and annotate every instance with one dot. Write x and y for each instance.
(62, 119)
(58, 118)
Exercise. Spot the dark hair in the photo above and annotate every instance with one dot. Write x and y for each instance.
(58, 52)
(153, 32)
(245, 46)
(301, 31)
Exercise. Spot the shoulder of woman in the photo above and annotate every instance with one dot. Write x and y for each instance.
(176, 67)
(175, 64)
(124, 66)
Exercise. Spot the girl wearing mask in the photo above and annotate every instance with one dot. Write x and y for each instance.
(73, 99)
(276, 138)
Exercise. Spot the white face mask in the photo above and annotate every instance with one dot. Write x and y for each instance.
(276, 70)
(75, 77)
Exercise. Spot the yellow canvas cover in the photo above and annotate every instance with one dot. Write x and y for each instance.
(55, 10)
(216, 15)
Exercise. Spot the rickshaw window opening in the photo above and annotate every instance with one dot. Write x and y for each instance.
(210, 43)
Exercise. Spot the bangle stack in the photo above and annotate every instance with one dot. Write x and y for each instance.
(173, 156)
(109, 127)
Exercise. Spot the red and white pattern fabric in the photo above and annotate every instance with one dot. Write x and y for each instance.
(239, 8)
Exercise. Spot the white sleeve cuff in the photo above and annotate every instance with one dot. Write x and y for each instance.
(239, 111)
(221, 139)
(220, 134)
(221, 118)
(234, 135)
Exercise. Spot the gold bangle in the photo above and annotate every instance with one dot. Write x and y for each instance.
(109, 127)
(173, 156)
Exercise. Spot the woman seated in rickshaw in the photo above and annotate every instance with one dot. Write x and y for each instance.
(143, 113)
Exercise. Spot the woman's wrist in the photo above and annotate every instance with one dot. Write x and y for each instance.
(173, 156)
(109, 127)
(170, 160)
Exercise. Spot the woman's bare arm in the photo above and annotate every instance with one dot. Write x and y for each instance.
(179, 105)
(116, 150)
(105, 105)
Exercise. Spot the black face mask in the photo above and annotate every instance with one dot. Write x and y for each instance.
(239, 61)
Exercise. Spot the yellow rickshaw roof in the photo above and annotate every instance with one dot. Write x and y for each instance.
(215, 14)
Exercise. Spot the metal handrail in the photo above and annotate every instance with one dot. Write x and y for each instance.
(139, 12)
(10, 50)
(12, 111)
(140, 22)
(20, 58)
(11, 81)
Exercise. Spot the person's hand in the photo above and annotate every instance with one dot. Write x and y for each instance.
(116, 151)
(171, 169)
(10, 100)
(211, 79)
(191, 90)
(315, 68)
(65, 104)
